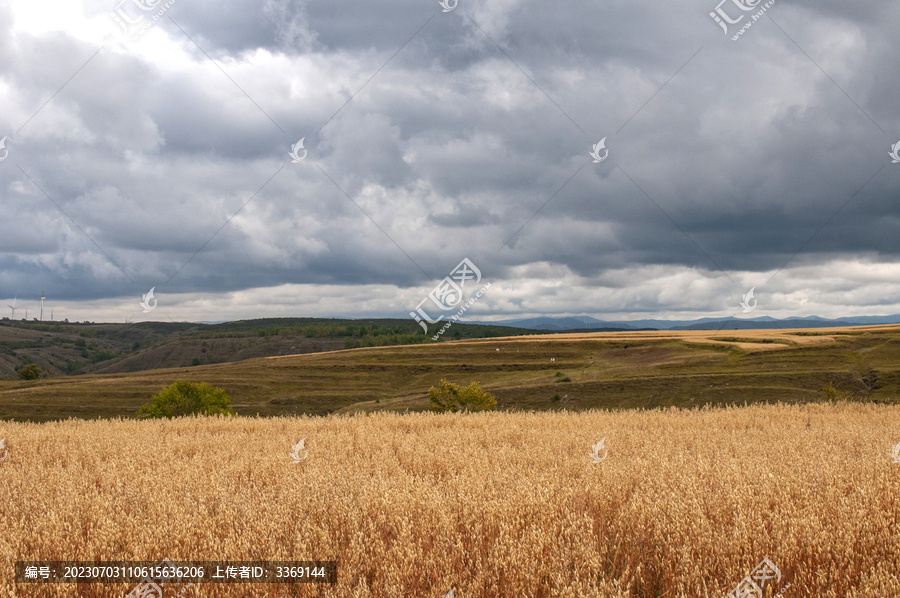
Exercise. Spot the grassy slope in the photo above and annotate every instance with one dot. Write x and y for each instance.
(606, 370)
(61, 348)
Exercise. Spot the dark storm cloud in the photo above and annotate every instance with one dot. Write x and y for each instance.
(723, 154)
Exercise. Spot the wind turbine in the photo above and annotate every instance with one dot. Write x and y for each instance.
(42, 306)
(13, 307)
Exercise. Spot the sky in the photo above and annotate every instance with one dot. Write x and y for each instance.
(613, 159)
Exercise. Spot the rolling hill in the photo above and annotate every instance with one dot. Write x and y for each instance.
(548, 372)
(558, 324)
(62, 348)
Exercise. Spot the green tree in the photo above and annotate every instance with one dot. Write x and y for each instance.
(453, 397)
(187, 398)
(30, 372)
(832, 394)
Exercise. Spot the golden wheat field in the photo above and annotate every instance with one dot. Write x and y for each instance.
(681, 502)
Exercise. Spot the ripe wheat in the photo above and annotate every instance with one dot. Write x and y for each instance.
(686, 503)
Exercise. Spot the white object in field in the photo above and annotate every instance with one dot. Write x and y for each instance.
(595, 451)
(295, 453)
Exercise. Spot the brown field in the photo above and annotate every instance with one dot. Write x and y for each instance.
(618, 370)
(686, 503)
(761, 339)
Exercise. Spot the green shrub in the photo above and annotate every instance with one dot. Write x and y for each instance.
(30, 372)
(74, 366)
(104, 355)
(188, 398)
(832, 394)
(452, 397)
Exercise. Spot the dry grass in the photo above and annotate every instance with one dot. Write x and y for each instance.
(493, 505)
(757, 339)
(608, 371)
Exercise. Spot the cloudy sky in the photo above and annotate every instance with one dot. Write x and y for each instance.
(154, 152)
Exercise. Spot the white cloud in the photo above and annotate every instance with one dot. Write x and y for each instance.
(735, 161)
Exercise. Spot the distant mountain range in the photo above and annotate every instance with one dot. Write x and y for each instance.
(589, 323)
